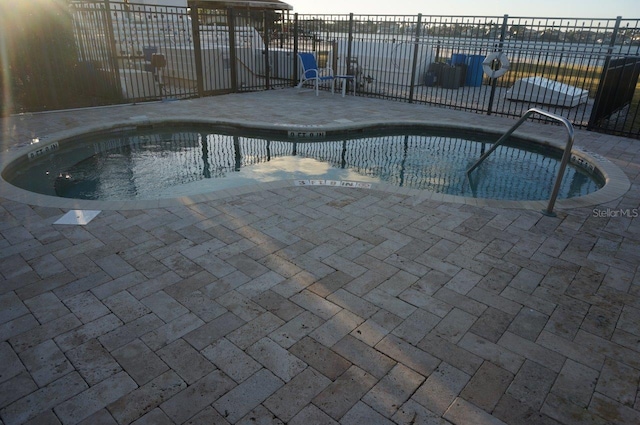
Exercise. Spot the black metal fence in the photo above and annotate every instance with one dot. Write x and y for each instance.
(583, 69)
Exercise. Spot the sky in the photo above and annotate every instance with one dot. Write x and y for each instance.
(520, 8)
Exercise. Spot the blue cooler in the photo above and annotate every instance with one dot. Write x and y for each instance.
(474, 70)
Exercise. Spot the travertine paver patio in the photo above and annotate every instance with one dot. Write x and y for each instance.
(319, 305)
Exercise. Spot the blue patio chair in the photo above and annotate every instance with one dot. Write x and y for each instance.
(310, 71)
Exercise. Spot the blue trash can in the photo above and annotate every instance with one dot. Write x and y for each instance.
(474, 70)
(458, 59)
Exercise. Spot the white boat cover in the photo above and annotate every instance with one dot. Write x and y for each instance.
(547, 92)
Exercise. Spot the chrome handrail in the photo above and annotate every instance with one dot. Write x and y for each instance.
(565, 157)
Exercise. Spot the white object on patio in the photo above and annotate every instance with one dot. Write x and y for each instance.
(547, 92)
(78, 217)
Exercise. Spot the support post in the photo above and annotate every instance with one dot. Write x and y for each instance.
(295, 49)
(416, 47)
(197, 49)
(494, 81)
(267, 58)
(113, 57)
(349, 46)
(594, 118)
(231, 21)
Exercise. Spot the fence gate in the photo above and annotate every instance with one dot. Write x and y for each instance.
(612, 107)
(135, 52)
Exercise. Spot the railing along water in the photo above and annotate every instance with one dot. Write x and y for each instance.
(563, 163)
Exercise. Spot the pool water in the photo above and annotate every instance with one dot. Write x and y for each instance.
(165, 162)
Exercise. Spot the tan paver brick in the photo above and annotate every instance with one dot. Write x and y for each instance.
(568, 413)
(393, 390)
(182, 358)
(246, 396)
(254, 330)
(320, 358)
(276, 359)
(46, 362)
(43, 399)
(613, 412)
(576, 383)
(312, 415)
(164, 306)
(410, 356)
(93, 361)
(197, 397)
(39, 334)
(234, 362)
(45, 307)
(338, 398)
(532, 384)
(497, 354)
(130, 331)
(211, 332)
(147, 397)
(16, 387)
(618, 382)
(532, 351)
(487, 386)
(364, 356)
(440, 389)
(334, 329)
(88, 331)
(296, 394)
(533, 317)
(415, 327)
(451, 353)
(171, 331)
(362, 414)
(462, 412)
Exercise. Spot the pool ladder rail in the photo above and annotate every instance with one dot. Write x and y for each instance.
(565, 157)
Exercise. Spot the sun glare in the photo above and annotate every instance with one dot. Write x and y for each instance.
(18, 21)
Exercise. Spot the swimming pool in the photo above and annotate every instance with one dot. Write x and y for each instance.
(184, 159)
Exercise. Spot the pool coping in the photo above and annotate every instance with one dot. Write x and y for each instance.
(616, 181)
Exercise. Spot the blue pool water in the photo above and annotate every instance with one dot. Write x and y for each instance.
(164, 162)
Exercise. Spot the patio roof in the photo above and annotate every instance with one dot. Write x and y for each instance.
(241, 4)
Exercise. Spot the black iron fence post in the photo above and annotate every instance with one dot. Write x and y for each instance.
(267, 61)
(416, 46)
(349, 46)
(231, 22)
(113, 52)
(593, 118)
(494, 81)
(295, 48)
(197, 49)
